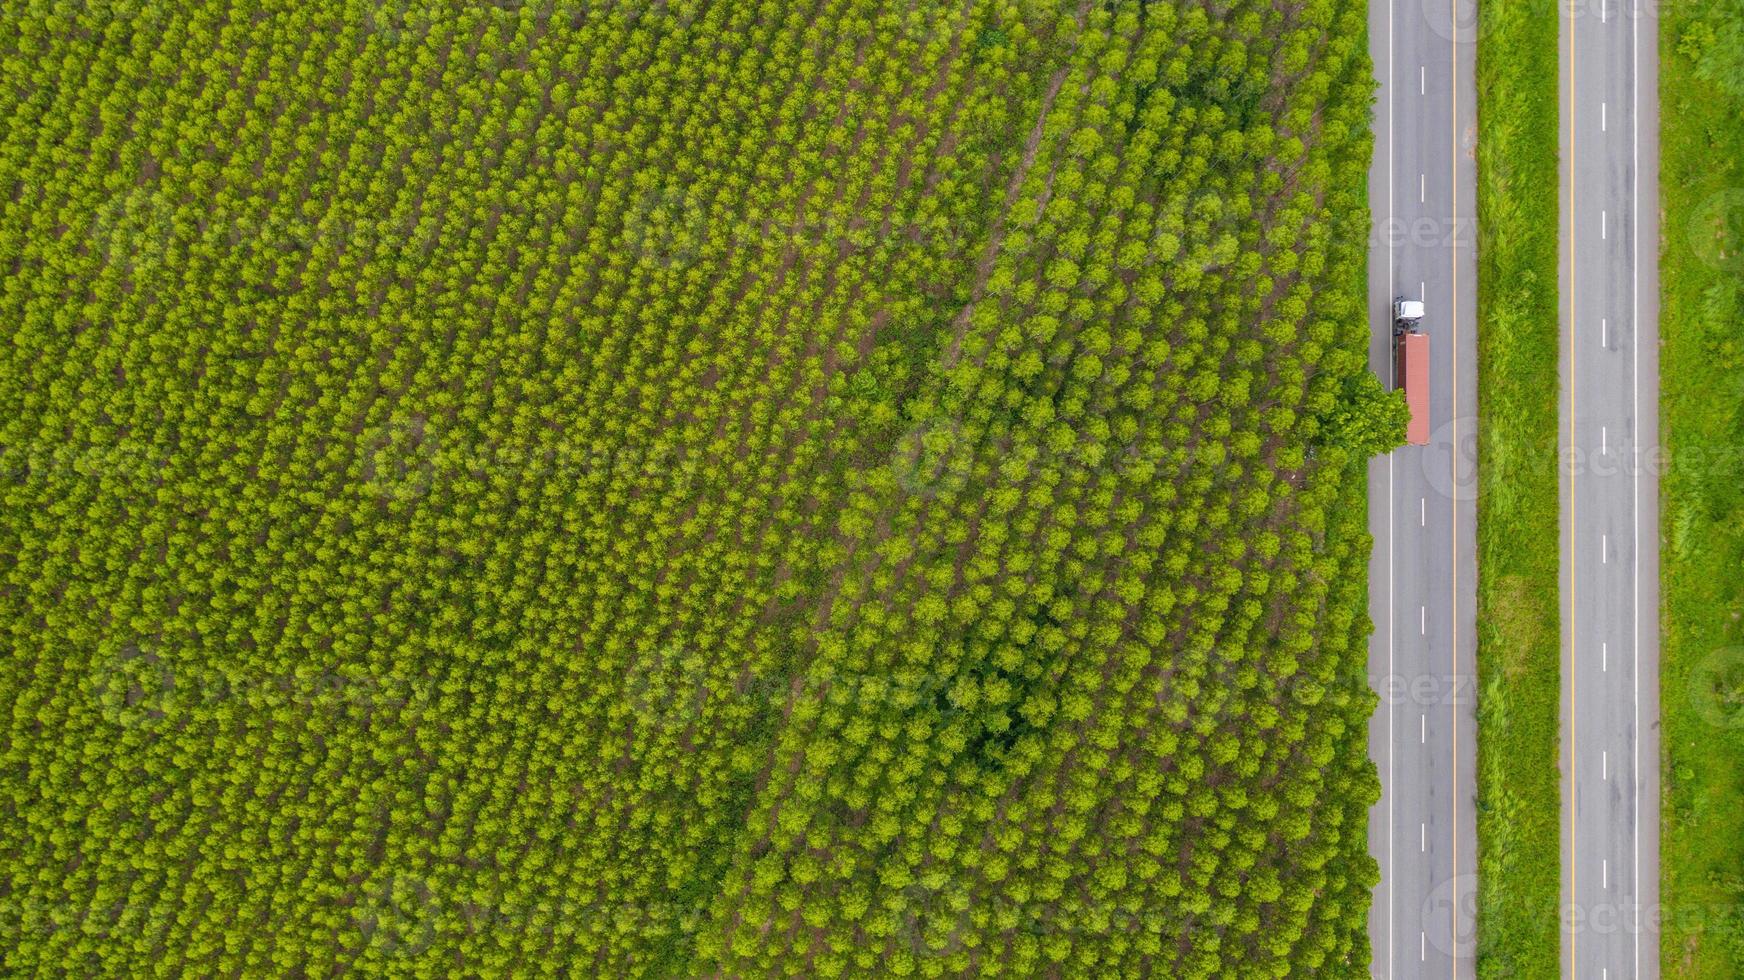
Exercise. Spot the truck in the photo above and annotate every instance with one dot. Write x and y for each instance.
(1411, 366)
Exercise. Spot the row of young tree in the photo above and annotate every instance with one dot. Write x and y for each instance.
(669, 489)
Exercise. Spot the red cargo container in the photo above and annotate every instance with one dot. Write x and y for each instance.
(1413, 368)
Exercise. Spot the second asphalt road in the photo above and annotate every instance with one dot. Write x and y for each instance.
(1610, 514)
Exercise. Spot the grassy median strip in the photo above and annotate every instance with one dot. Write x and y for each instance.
(1519, 645)
(1702, 414)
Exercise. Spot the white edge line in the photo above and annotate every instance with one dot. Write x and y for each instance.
(1392, 709)
(1635, 409)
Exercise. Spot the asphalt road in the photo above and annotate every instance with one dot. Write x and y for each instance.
(1610, 514)
(1422, 510)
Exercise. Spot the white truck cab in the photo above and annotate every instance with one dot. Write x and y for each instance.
(1411, 367)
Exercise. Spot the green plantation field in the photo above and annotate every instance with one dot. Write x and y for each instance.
(1702, 405)
(684, 488)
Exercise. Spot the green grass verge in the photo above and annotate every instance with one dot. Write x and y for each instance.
(1702, 405)
(1519, 646)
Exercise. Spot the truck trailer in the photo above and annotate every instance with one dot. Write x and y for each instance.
(1411, 367)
